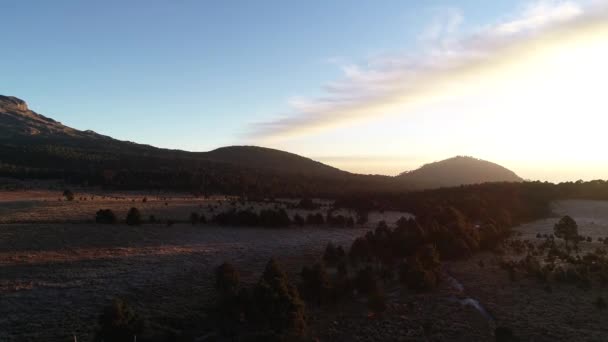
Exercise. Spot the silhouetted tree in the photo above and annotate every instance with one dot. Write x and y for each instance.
(276, 305)
(226, 279)
(133, 217)
(231, 304)
(362, 216)
(333, 254)
(360, 250)
(298, 220)
(315, 286)
(68, 194)
(307, 204)
(422, 271)
(105, 216)
(566, 229)
(194, 218)
(119, 323)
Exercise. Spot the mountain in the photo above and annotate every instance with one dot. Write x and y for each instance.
(457, 171)
(35, 146)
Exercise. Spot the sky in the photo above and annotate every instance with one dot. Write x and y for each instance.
(376, 86)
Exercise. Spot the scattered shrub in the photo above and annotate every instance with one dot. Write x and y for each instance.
(226, 279)
(315, 219)
(105, 216)
(68, 195)
(119, 323)
(298, 220)
(133, 217)
(194, 218)
(307, 204)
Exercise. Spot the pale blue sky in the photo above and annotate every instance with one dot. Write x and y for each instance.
(197, 75)
(191, 73)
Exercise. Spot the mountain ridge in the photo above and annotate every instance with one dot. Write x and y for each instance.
(35, 144)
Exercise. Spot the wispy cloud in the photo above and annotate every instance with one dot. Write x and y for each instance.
(393, 82)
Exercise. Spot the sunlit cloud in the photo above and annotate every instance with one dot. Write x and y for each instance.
(452, 65)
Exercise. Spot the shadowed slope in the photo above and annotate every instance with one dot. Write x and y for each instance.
(458, 171)
(35, 146)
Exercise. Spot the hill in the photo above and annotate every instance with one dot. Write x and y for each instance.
(457, 171)
(35, 146)
(261, 157)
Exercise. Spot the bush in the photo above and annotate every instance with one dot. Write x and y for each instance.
(119, 322)
(315, 219)
(194, 218)
(307, 204)
(133, 217)
(267, 218)
(362, 217)
(68, 194)
(105, 216)
(226, 279)
(298, 220)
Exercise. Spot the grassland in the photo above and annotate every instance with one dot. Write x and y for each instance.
(57, 270)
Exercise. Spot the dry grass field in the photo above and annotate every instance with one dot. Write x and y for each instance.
(56, 277)
(58, 270)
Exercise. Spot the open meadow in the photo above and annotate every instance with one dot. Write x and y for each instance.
(59, 269)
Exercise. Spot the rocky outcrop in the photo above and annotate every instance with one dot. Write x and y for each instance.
(11, 102)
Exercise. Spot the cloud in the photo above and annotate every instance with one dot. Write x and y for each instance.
(446, 21)
(398, 82)
(539, 15)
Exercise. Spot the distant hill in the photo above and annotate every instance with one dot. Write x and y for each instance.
(261, 157)
(457, 171)
(35, 146)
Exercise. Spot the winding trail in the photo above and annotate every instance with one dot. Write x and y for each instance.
(466, 301)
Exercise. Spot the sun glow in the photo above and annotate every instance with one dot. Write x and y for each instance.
(540, 103)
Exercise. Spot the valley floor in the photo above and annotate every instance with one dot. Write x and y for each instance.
(56, 277)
